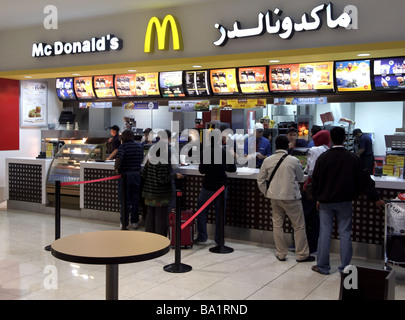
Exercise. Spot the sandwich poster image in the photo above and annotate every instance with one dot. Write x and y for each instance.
(224, 81)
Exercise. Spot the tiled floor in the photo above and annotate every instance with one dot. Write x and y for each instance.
(250, 272)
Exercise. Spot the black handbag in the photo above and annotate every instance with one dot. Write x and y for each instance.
(274, 171)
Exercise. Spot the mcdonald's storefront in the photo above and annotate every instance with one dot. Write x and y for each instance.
(210, 35)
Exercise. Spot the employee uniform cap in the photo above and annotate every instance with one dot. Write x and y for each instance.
(115, 127)
(147, 130)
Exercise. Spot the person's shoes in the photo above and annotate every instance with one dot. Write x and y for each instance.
(316, 269)
(307, 259)
(279, 259)
(133, 226)
(199, 241)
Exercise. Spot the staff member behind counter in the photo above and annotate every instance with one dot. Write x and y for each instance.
(115, 141)
(263, 146)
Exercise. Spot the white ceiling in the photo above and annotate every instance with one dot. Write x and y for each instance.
(24, 13)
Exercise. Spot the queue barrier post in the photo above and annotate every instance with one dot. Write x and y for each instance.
(58, 185)
(221, 248)
(177, 266)
(57, 213)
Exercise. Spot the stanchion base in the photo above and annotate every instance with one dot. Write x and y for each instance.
(48, 248)
(221, 249)
(177, 268)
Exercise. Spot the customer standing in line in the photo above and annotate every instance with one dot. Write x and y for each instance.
(321, 144)
(285, 196)
(214, 178)
(128, 164)
(365, 151)
(338, 178)
(157, 189)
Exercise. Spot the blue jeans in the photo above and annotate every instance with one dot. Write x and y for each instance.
(343, 213)
(132, 197)
(202, 217)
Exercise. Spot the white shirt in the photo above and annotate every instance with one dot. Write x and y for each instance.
(312, 156)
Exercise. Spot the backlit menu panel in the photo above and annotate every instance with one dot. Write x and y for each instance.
(304, 77)
(64, 89)
(389, 74)
(104, 86)
(353, 75)
(137, 85)
(253, 80)
(197, 83)
(171, 84)
(224, 81)
(84, 88)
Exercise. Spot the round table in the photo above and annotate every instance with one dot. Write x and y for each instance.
(110, 248)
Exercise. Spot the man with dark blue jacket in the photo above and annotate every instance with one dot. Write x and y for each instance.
(338, 178)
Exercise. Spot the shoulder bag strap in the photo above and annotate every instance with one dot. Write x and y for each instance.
(275, 169)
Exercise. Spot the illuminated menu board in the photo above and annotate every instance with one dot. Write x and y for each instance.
(253, 80)
(304, 77)
(137, 85)
(224, 81)
(197, 83)
(389, 74)
(104, 86)
(353, 75)
(64, 89)
(171, 84)
(84, 88)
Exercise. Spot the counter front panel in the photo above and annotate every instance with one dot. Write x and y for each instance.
(25, 182)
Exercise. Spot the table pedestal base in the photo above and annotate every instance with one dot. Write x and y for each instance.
(177, 268)
(111, 292)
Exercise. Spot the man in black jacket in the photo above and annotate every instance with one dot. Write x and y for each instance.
(338, 178)
(215, 177)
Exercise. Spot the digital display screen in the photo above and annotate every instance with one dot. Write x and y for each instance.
(253, 80)
(224, 81)
(303, 77)
(104, 86)
(353, 75)
(137, 85)
(389, 74)
(171, 84)
(197, 83)
(64, 89)
(84, 88)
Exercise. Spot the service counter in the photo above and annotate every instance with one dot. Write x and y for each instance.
(248, 212)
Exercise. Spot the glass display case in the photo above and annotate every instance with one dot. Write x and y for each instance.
(66, 164)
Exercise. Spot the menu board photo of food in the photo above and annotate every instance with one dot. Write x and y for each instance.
(171, 84)
(224, 81)
(125, 85)
(353, 75)
(389, 74)
(137, 85)
(253, 80)
(304, 77)
(104, 86)
(197, 83)
(84, 87)
(64, 89)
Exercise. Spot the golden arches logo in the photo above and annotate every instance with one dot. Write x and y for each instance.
(162, 30)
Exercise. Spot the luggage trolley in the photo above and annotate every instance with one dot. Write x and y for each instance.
(394, 233)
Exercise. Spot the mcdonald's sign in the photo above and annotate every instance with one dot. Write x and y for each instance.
(163, 34)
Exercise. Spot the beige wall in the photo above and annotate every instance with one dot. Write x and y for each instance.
(379, 21)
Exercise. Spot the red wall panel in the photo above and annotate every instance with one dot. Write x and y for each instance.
(9, 114)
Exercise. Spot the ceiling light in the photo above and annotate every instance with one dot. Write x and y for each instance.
(75, 74)
(274, 61)
(28, 77)
(131, 70)
(197, 66)
(363, 55)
